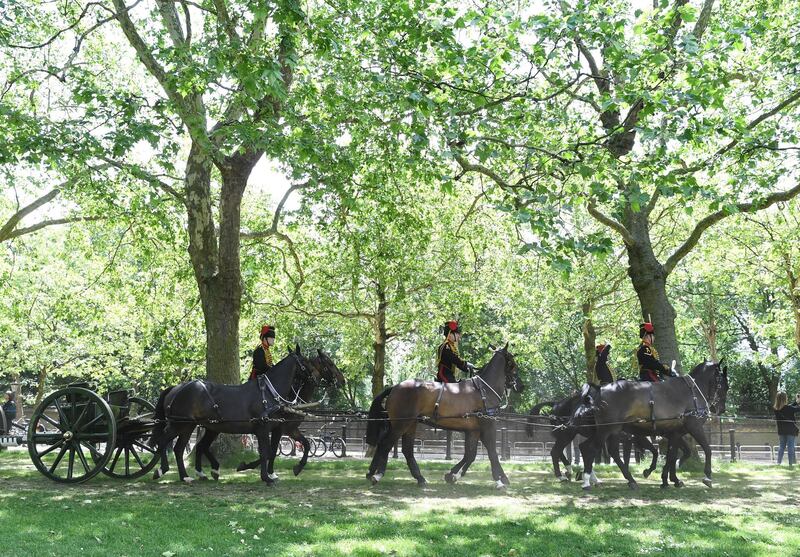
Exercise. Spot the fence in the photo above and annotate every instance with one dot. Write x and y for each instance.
(739, 439)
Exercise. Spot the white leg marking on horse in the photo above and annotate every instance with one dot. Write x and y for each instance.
(594, 479)
(586, 482)
(272, 476)
(499, 484)
(460, 474)
(188, 479)
(377, 477)
(563, 478)
(201, 475)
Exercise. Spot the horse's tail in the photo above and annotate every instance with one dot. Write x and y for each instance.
(535, 411)
(160, 417)
(378, 420)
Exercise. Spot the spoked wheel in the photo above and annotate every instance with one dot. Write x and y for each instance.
(337, 446)
(71, 435)
(133, 455)
(321, 448)
(312, 447)
(286, 446)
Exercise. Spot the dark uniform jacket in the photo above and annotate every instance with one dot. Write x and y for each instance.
(447, 358)
(262, 361)
(10, 410)
(786, 419)
(601, 366)
(650, 368)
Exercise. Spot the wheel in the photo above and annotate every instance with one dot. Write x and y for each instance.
(337, 447)
(65, 427)
(321, 447)
(286, 446)
(133, 455)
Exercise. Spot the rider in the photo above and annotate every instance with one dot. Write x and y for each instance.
(601, 369)
(650, 368)
(447, 355)
(10, 407)
(262, 358)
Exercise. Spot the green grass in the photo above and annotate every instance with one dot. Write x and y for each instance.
(330, 510)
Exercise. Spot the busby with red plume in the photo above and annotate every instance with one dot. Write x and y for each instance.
(646, 329)
(451, 327)
(268, 331)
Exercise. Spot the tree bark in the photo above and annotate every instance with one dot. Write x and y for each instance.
(41, 385)
(589, 342)
(649, 280)
(379, 343)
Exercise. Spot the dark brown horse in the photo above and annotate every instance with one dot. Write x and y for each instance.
(323, 372)
(467, 406)
(670, 408)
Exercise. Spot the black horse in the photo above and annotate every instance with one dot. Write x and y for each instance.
(671, 408)
(466, 406)
(324, 372)
(247, 408)
(564, 433)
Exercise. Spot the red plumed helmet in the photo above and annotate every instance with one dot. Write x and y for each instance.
(268, 331)
(451, 327)
(646, 329)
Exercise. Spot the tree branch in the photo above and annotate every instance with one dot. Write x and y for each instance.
(611, 223)
(713, 218)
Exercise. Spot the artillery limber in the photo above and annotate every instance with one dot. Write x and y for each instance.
(74, 434)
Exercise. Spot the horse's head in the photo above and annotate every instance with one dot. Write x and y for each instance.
(304, 370)
(327, 370)
(513, 381)
(713, 379)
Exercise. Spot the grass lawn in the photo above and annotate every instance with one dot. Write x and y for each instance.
(331, 510)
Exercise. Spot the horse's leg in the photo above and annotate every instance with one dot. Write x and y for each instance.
(589, 448)
(612, 444)
(199, 450)
(642, 443)
(209, 437)
(489, 440)
(470, 451)
(180, 447)
(167, 436)
(381, 458)
(296, 435)
(669, 464)
(696, 429)
(274, 442)
(627, 445)
(264, 448)
(563, 438)
(453, 475)
(408, 452)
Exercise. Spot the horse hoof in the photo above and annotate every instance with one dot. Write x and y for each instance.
(422, 483)
(500, 485)
(297, 469)
(707, 481)
(450, 478)
(187, 479)
(273, 476)
(201, 475)
(158, 473)
(633, 485)
(376, 478)
(563, 479)
(505, 481)
(647, 473)
(242, 467)
(587, 488)
(679, 484)
(664, 486)
(369, 476)
(215, 475)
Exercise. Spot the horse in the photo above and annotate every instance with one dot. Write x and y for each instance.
(323, 370)
(246, 408)
(468, 406)
(563, 433)
(671, 408)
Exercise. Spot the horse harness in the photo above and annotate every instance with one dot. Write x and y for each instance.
(478, 382)
(266, 388)
(698, 412)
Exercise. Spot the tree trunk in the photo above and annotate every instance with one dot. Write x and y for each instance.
(41, 385)
(649, 280)
(379, 343)
(589, 342)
